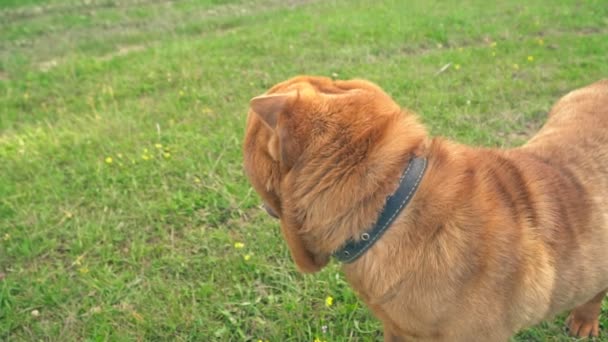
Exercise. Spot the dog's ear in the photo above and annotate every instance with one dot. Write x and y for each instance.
(269, 107)
(279, 107)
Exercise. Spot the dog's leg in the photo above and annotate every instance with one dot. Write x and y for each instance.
(583, 321)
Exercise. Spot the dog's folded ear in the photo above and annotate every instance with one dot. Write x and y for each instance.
(275, 108)
(269, 107)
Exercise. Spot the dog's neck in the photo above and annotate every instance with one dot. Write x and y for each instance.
(395, 203)
(362, 183)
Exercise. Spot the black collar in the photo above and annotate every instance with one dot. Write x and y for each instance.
(408, 184)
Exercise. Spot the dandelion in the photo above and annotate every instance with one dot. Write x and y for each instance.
(530, 58)
(167, 155)
(197, 180)
(247, 257)
(181, 93)
(108, 160)
(119, 155)
(145, 157)
(540, 41)
(145, 150)
(457, 66)
(329, 301)
(239, 245)
(83, 270)
(6, 237)
(158, 146)
(516, 66)
(68, 215)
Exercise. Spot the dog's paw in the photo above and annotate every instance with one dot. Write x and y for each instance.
(582, 325)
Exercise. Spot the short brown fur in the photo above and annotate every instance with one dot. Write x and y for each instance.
(493, 241)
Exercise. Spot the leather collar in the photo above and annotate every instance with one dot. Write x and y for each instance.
(408, 184)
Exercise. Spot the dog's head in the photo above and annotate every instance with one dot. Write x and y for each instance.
(299, 118)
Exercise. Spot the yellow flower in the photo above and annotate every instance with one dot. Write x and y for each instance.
(516, 66)
(108, 160)
(197, 180)
(207, 110)
(26, 96)
(159, 146)
(239, 245)
(167, 155)
(457, 66)
(145, 157)
(530, 58)
(181, 93)
(145, 150)
(329, 301)
(119, 155)
(247, 257)
(541, 42)
(83, 270)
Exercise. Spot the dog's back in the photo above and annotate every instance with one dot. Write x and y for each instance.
(574, 141)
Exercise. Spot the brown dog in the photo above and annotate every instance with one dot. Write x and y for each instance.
(493, 240)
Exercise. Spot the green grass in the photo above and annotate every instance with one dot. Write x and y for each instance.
(142, 248)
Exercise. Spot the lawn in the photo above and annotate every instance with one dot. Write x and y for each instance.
(124, 211)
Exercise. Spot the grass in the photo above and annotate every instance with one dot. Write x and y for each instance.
(122, 198)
